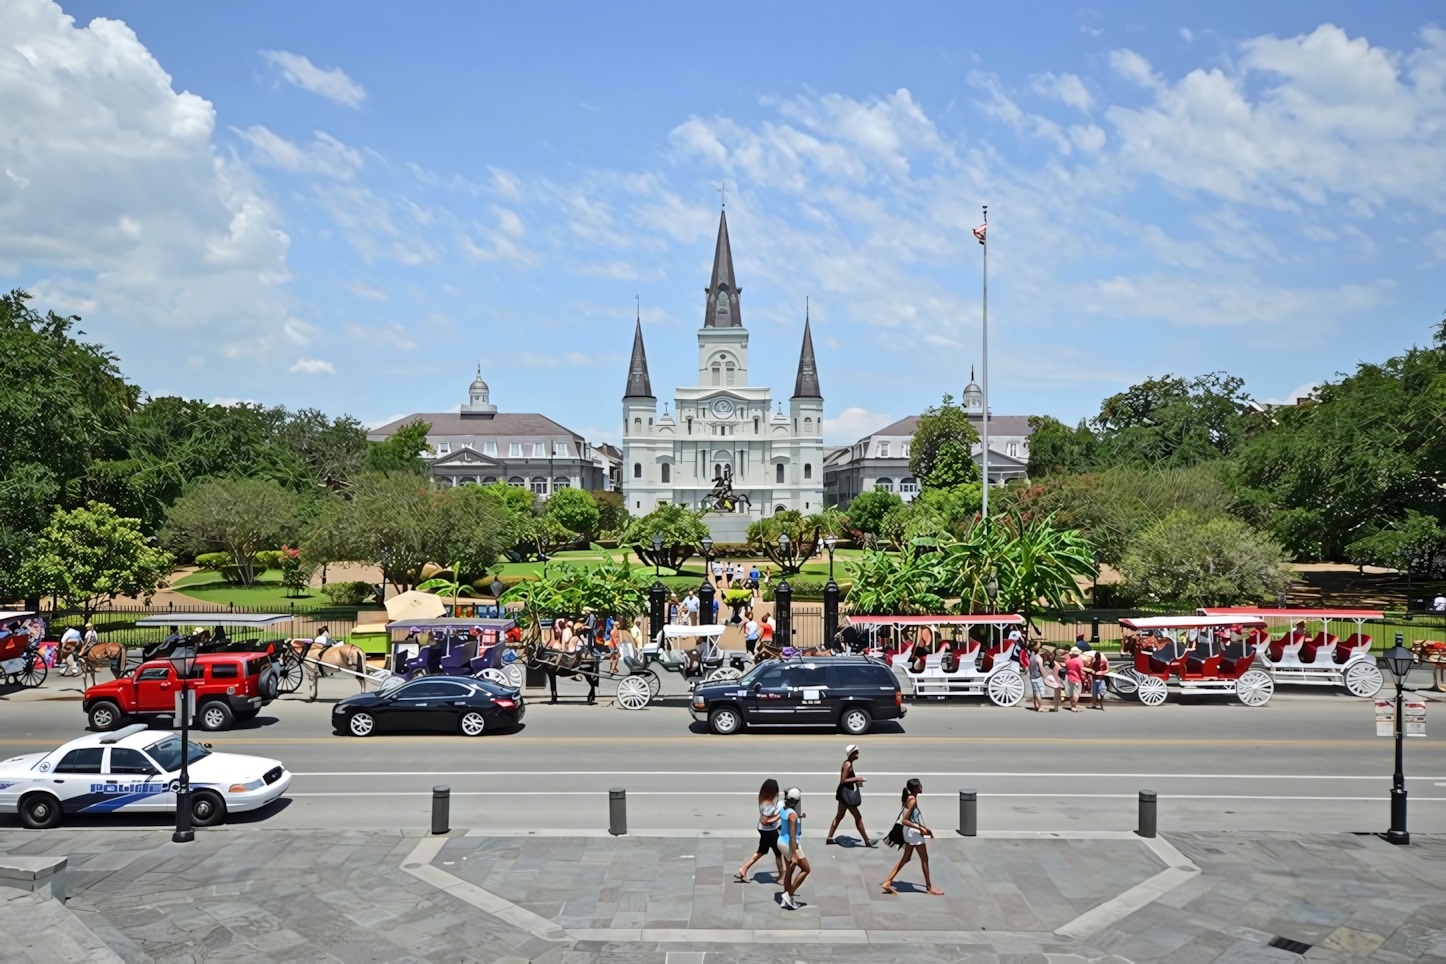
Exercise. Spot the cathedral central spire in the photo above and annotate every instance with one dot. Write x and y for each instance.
(639, 385)
(723, 290)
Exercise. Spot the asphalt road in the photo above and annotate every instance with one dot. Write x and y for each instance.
(1309, 760)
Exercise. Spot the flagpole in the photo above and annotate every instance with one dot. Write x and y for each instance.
(984, 489)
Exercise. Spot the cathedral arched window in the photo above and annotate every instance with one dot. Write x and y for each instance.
(728, 371)
(778, 473)
(667, 471)
(638, 425)
(808, 470)
(717, 374)
(755, 425)
(637, 470)
(808, 426)
(723, 303)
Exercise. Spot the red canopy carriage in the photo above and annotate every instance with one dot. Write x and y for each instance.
(1200, 654)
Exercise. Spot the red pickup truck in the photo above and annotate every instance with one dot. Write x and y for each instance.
(226, 687)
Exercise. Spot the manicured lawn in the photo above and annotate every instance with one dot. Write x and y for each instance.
(266, 593)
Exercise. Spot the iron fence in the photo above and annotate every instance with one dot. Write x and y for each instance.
(118, 623)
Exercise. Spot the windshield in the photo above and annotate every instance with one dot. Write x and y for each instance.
(167, 753)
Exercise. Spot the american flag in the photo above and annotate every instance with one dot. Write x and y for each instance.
(979, 232)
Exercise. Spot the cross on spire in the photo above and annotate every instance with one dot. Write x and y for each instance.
(723, 193)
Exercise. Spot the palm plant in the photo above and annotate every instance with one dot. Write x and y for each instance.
(1031, 559)
(443, 586)
(885, 583)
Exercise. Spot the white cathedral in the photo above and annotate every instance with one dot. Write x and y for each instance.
(723, 425)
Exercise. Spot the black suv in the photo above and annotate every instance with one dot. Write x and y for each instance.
(845, 691)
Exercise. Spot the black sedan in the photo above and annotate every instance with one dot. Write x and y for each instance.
(448, 703)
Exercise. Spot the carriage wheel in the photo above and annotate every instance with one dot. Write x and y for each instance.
(1364, 679)
(1006, 687)
(1256, 687)
(514, 674)
(655, 683)
(1153, 690)
(493, 676)
(1124, 684)
(391, 683)
(288, 672)
(633, 692)
(722, 673)
(33, 674)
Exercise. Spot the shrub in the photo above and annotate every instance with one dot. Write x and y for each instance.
(806, 587)
(348, 593)
(220, 562)
(270, 559)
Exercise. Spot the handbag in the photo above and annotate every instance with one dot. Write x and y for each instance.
(851, 796)
(896, 834)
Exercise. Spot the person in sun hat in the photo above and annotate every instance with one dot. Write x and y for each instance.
(796, 868)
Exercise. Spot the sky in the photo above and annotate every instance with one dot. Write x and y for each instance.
(352, 206)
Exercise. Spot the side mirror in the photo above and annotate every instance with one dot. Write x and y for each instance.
(757, 688)
(206, 745)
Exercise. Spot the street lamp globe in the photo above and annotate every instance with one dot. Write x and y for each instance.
(783, 541)
(1399, 660)
(707, 545)
(830, 541)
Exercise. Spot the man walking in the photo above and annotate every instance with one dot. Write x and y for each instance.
(1073, 678)
(70, 641)
(690, 606)
(1097, 667)
(751, 631)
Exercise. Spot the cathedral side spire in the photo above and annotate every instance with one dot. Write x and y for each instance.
(639, 386)
(806, 384)
(723, 290)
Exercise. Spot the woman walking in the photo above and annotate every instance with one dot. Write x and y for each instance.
(790, 839)
(849, 796)
(769, 820)
(1051, 678)
(911, 837)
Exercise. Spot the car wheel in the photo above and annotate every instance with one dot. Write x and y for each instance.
(207, 809)
(105, 715)
(361, 724)
(40, 811)
(725, 720)
(855, 721)
(215, 715)
(473, 724)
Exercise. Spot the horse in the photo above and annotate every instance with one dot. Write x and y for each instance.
(581, 660)
(94, 658)
(318, 661)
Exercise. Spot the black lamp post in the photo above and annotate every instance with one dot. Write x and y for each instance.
(386, 563)
(657, 553)
(706, 592)
(182, 659)
(1398, 661)
(830, 596)
(783, 600)
(783, 557)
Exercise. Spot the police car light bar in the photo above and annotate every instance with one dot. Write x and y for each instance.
(115, 736)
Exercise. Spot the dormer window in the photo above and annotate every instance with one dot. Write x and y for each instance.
(514, 450)
(443, 448)
(883, 450)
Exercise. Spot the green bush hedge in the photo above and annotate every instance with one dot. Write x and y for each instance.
(806, 587)
(348, 593)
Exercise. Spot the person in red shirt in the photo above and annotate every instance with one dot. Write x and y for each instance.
(1073, 678)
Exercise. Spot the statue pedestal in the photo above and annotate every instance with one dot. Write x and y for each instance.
(728, 526)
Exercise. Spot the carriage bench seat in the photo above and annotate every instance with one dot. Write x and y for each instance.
(33, 873)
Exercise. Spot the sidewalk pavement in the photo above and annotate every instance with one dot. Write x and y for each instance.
(346, 897)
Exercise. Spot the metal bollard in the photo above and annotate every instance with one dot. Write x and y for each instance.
(57, 883)
(618, 811)
(968, 813)
(441, 809)
(1147, 813)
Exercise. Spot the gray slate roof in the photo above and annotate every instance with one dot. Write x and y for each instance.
(639, 385)
(516, 424)
(723, 280)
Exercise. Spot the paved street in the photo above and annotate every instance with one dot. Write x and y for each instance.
(1306, 761)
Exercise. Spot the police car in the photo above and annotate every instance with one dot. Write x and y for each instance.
(135, 770)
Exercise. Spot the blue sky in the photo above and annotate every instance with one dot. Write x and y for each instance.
(346, 205)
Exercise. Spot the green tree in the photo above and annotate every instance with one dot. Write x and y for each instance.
(401, 522)
(27, 496)
(1173, 421)
(866, 511)
(804, 533)
(939, 454)
(1055, 448)
(612, 512)
(1034, 561)
(91, 555)
(1223, 561)
(402, 452)
(908, 582)
(681, 529)
(616, 589)
(575, 509)
(240, 517)
(1415, 544)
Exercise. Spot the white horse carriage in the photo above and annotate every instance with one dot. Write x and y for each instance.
(1322, 659)
(947, 658)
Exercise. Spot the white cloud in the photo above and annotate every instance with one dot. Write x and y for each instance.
(116, 196)
(1303, 120)
(501, 241)
(852, 424)
(313, 366)
(333, 84)
(370, 292)
(1065, 88)
(390, 335)
(326, 155)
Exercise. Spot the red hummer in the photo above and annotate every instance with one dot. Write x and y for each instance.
(226, 687)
